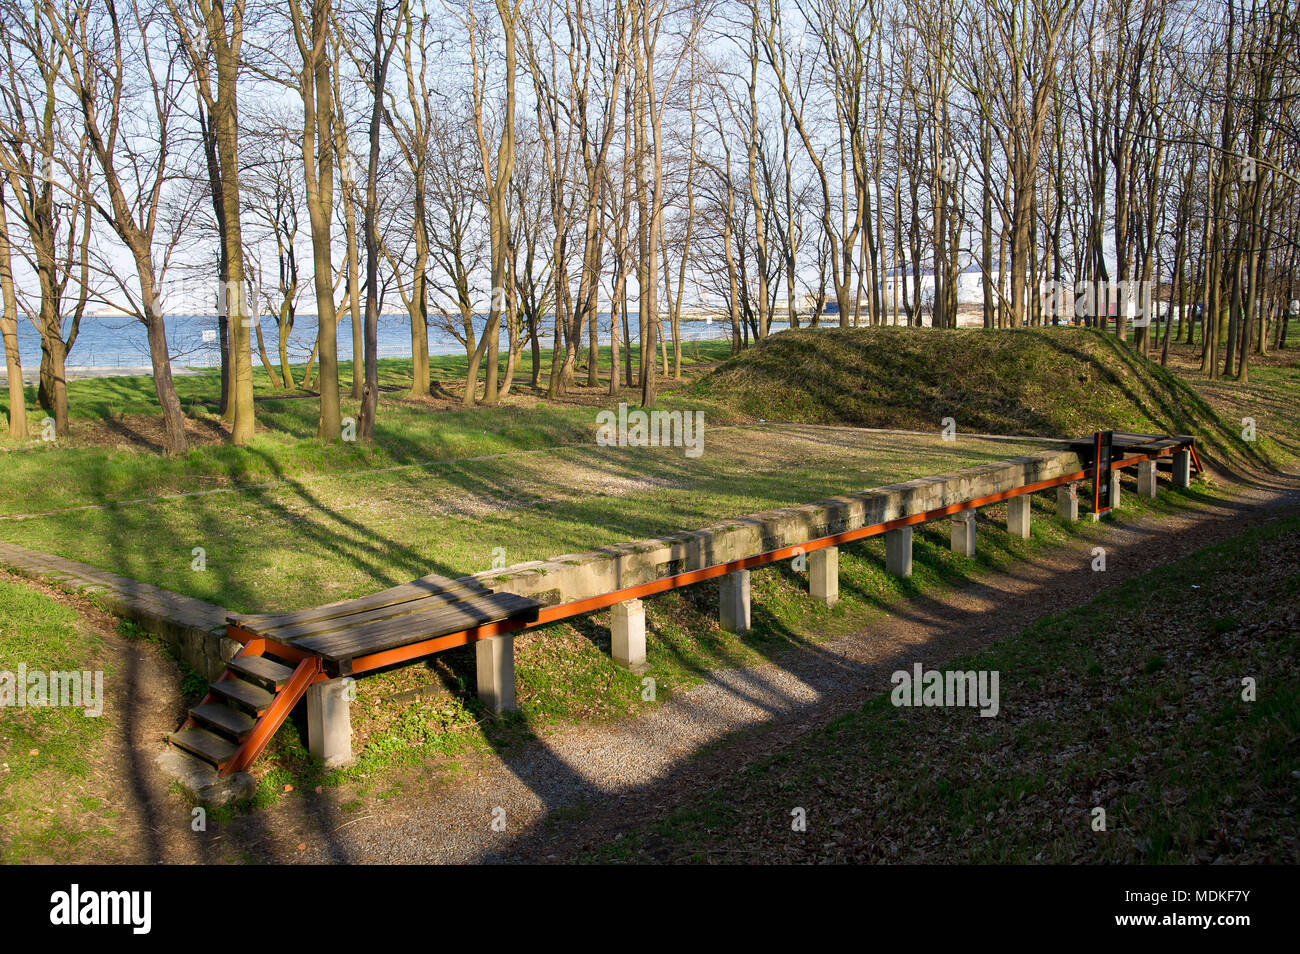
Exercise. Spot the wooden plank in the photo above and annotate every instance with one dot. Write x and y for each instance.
(387, 634)
(1123, 437)
(208, 746)
(245, 693)
(266, 624)
(235, 722)
(414, 627)
(296, 631)
(259, 667)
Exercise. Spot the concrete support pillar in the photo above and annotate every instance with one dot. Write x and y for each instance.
(329, 721)
(824, 575)
(1147, 479)
(898, 551)
(627, 631)
(1018, 516)
(1067, 502)
(495, 659)
(1182, 476)
(733, 602)
(963, 533)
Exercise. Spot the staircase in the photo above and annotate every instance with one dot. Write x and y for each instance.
(243, 709)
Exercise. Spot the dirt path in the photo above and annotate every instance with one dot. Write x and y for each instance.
(580, 786)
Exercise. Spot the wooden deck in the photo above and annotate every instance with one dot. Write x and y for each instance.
(413, 612)
(284, 655)
(1123, 444)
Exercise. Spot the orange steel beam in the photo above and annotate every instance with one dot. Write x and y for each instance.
(268, 645)
(1138, 458)
(552, 614)
(308, 671)
(428, 647)
(1096, 472)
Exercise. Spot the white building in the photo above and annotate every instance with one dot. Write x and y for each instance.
(970, 286)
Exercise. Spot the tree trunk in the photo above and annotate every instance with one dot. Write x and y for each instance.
(9, 330)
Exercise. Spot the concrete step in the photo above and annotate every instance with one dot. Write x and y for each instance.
(202, 781)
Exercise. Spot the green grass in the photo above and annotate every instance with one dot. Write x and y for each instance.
(1132, 703)
(303, 542)
(111, 417)
(48, 749)
(122, 396)
(1271, 400)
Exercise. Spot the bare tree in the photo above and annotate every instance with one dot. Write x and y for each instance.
(311, 34)
(34, 152)
(133, 163)
(9, 330)
(212, 36)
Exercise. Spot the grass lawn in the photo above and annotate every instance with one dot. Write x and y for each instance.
(111, 453)
(1058, 382)
(46, 750)
(1133, 703)
(307, 541)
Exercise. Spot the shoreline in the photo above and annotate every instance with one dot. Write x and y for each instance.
(965, 319)
(83, 372)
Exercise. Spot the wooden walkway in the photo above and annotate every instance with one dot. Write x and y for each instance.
(414, 612)
(1124, 444)
(284, 655)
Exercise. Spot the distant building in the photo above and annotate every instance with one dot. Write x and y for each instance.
(901, 281)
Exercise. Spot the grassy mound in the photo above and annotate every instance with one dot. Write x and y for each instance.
(1062, 382)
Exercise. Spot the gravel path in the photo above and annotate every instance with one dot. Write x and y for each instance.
(579, 786)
